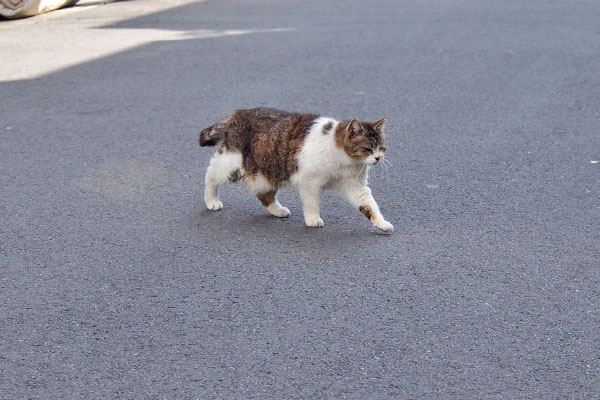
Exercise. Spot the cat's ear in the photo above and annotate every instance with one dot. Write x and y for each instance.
(379, 124)
(355, 128)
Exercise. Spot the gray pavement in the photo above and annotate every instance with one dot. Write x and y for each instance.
(116, 283)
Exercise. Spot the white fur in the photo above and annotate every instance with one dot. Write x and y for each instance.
(258, 184)
(321, 165)
(221, 166)
(320, 160)
(278, 210)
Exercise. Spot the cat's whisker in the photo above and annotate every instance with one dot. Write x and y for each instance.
(362, 168)
(385, 172)
(389, 173)
(386, 165)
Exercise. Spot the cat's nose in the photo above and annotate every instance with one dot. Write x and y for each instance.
(377, 158)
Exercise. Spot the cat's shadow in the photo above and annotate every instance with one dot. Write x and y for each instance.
(252, 225)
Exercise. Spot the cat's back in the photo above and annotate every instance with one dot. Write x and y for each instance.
(260, 118)
(263, 113)
(267, 125)
(264, 120)
(269, 140)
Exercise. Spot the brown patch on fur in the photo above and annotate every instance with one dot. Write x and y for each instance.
(266, 198)
(341, 131)
(235, 176)
(366, 211)
(327, 127)
(268, 139)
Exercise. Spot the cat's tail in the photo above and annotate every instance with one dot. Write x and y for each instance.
(213, 134)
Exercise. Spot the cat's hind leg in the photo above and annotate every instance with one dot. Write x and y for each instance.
(266, 193)
(269, 200)
(224, 167)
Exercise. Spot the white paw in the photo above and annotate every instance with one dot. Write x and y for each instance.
(282, 212)
(214, 205)
(384, 226)
(315, 222)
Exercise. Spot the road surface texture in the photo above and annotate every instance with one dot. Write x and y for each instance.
(115, 282)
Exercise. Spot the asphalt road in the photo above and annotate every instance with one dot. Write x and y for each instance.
(115, 282)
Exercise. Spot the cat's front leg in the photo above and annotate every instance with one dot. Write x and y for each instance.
(359, 195)
(310, 202)
(374, 215)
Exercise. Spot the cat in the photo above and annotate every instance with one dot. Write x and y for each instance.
(268, 149)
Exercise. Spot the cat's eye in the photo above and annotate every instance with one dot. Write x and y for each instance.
(367, 149)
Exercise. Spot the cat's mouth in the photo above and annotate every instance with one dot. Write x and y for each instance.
(372, 160)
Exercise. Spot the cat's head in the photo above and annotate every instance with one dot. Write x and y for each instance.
(362, 141)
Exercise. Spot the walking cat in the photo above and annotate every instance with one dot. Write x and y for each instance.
(267, 149)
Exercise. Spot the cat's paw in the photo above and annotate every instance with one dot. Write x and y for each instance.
(277, 210)
(315, 222)
(282, 212)
(214, 205)
(384, 226)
